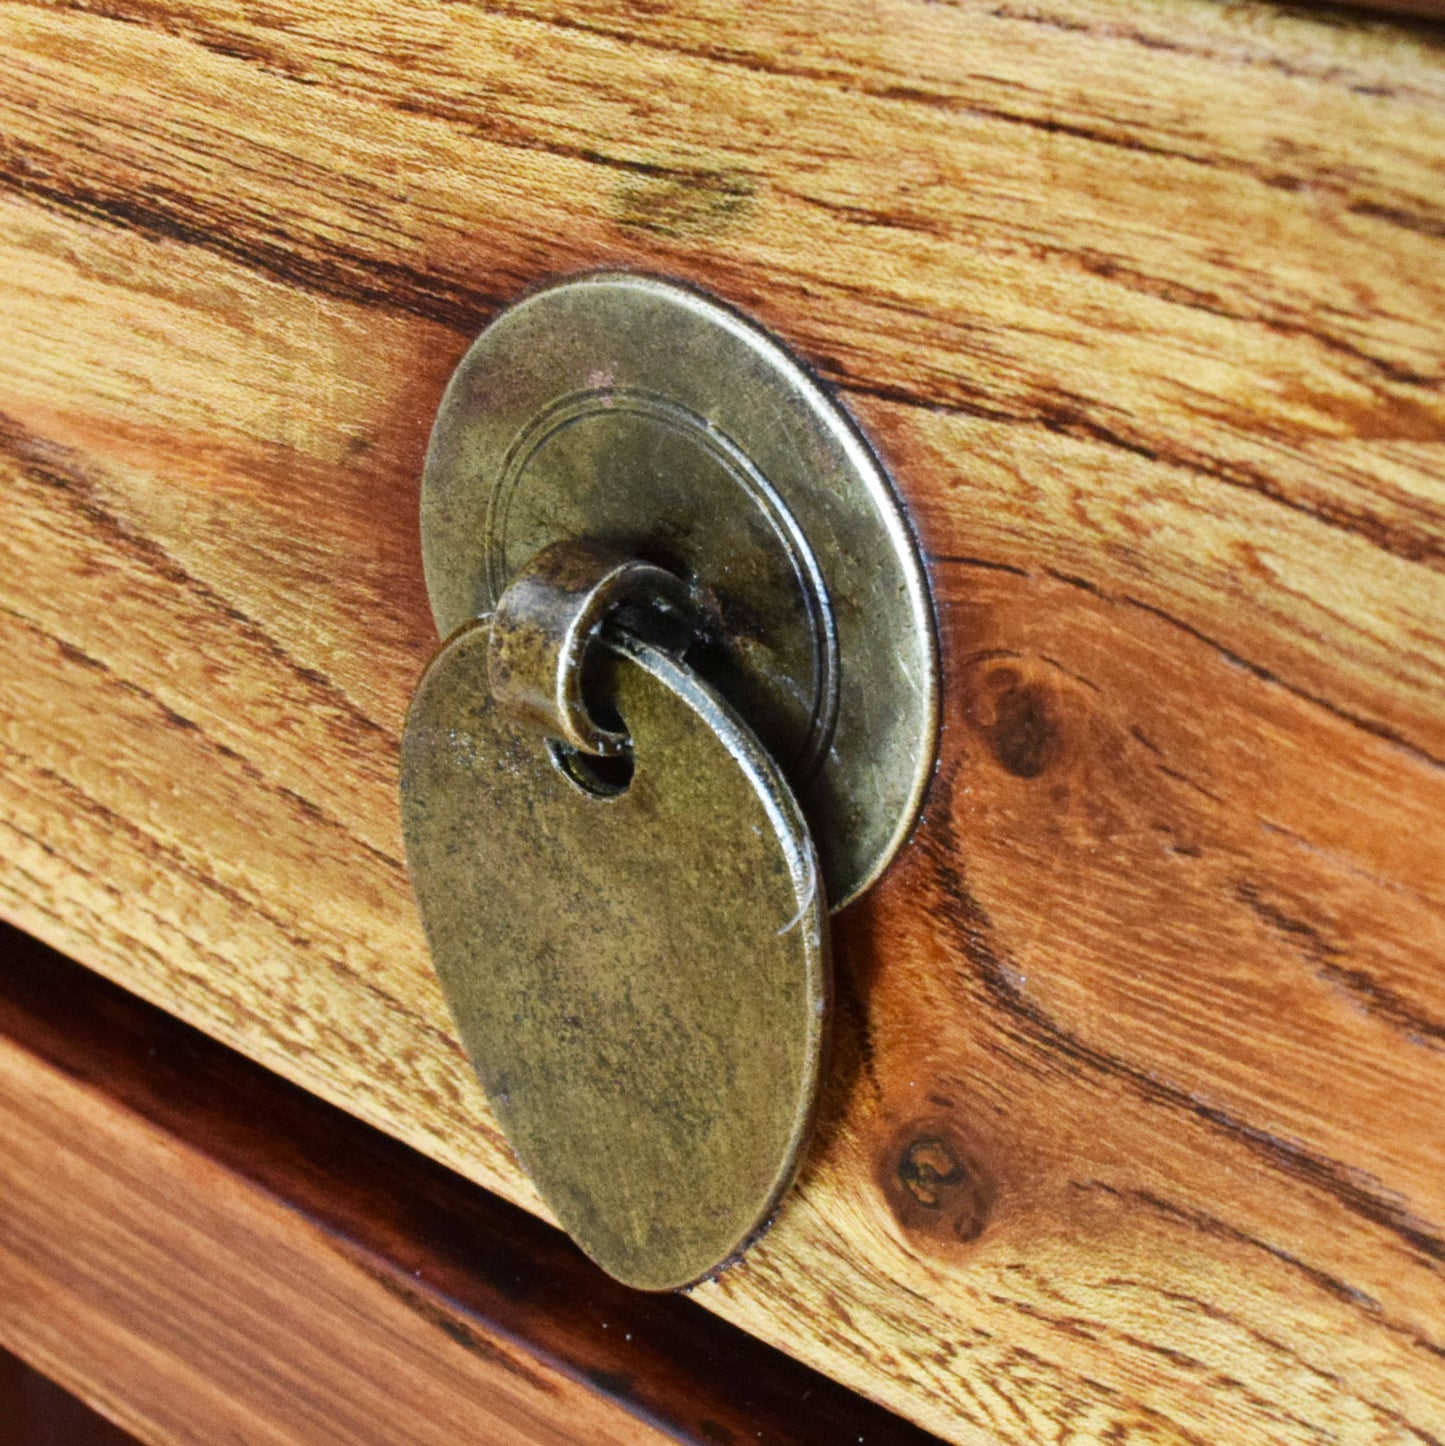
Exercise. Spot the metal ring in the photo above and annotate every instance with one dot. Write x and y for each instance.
(545, 621)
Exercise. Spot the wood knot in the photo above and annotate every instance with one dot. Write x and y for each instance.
(1015, 714)
(929, 1171)
(933, 1184)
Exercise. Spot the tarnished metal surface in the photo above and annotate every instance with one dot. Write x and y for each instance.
(647, 417)
(537, 661)
(639, 969)
(640, 515)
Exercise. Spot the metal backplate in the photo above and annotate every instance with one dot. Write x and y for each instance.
(640, 975)
(647, 417)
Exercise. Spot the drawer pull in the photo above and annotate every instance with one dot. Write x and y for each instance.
(686, 701)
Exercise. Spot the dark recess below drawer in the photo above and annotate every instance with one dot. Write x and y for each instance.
(465, 1261)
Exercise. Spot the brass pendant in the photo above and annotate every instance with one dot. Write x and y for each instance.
(637, 963)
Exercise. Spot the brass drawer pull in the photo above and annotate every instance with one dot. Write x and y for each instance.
(664, 731)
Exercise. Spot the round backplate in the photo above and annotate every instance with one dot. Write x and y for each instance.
(643, 415)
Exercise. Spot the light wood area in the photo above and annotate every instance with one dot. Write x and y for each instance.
(209, 1254)
(1136, 1128)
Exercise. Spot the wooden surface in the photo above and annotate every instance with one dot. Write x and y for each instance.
(1136, 1127)
(208, 1253)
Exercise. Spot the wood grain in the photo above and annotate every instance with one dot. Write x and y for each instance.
(1136, 1129)
(210, 1253)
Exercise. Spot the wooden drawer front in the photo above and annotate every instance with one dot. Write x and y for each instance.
(1135, 1129)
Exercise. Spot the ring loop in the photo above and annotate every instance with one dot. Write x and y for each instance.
(546, 620)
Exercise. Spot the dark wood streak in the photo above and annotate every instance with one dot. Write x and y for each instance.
(990, 563)
(1209, 1224)
(968, 925)
(1431, 226)
(1372, 996)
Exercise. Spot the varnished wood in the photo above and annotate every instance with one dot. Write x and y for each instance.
(1136, 1124)
(209, 1253)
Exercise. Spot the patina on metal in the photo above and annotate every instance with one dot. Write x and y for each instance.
(537, 663)
(637, 964)
(688, 697)
(648, 417)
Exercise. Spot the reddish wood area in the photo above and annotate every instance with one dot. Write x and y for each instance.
(1136, 1127)
(208, 1253)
